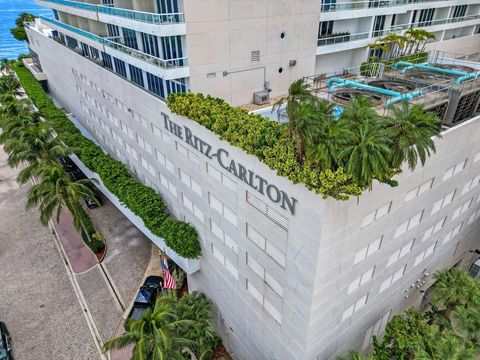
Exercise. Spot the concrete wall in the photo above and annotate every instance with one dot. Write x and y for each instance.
(222, 40)
(298, 274)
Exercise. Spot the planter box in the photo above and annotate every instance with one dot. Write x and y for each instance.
(188, 265)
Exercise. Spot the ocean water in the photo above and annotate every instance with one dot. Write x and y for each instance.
(9, 10)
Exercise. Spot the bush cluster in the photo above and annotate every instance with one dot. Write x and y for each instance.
(139, 198)
(263, 138)
(89, 236)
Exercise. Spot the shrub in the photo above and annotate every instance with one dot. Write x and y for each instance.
(263, 138)
(138, 197)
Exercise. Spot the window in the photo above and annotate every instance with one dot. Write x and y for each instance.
(433, 229)
(172, 47)
(459, 11)
(144, 144)
(120, 68)
(155, 85)
(267, 211)
(375, 215)
(255, 266)
(397, 255)
(136, 75)
(473, 217)
(130, 38)
(191, 184)
(409, 224)
(366, 251)
(160, 133)
(222, 235)
(222, 209)
(274, 284)
(452, 233)
(461, 209)
(392, 278)
(130, 150)
(252, 290)
(471, 184)
(454, 170)
(362, 279)
(150, 44)
(412, 194)
(355, 307)
(176, 86)
(167, 164)
(127, 130)
(113, 30)
(378, 25)
(168, 185)
(426, 16)
(273, 251)
(423, 255)
(220, 177)
(446, 200)
(147, 166)
(192, 207)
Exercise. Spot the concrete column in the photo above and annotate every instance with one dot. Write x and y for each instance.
(455, 95)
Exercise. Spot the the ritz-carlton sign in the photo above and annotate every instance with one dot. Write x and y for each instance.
(238, 170)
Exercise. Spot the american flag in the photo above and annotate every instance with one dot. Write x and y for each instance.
(168, 280)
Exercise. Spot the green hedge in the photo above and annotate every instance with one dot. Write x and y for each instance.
(89, 235)
(139, 198)
(263, 138)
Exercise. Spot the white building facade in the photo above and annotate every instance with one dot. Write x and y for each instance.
(292, 276)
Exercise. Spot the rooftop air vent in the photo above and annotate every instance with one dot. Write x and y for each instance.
(255, 56)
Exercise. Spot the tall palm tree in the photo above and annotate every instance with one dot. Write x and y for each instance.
(327, 135)
(156, 336)
(365, 152)
(56, 191)
(298, 108)
(6, 66)
(35, 143)
(411, 129)
(453, 288)
(10, 85)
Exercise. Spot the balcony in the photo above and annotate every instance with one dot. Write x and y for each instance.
(329, 6)
(35, 69)
(105, 44)
(151, 18)
(337, 39)
(170, 24)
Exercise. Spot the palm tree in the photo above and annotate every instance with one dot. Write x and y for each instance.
(6, 66)
(412, 129)
(196, 307)
(10, 85)
(57, 191)
(365, 152)
(453, 288)
(300, 112)
(322, 149)
(157, 335)
(467, 324)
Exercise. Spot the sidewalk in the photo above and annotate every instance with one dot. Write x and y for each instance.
(80, 257)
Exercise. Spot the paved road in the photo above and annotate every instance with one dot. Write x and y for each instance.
(37, 300)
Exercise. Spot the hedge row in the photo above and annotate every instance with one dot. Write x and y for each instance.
(139, 198)
(263, 138)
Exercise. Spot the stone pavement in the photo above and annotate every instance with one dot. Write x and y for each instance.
(80, 256)
(37, 301)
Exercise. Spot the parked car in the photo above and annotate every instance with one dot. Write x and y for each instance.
(76, 175)
(67, 164)
(146, 296)
(5, 343)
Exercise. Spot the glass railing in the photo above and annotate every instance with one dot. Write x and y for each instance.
(331, 6)
(147, 17)
(151, 18)
(345, 37)
(163, 63)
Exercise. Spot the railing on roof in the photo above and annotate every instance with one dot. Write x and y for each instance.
(342, 38)
(153, 60)
(152, 18)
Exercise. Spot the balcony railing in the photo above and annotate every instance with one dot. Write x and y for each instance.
(153, 60)
(338, 39)
(151, 18)
(331, 6)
